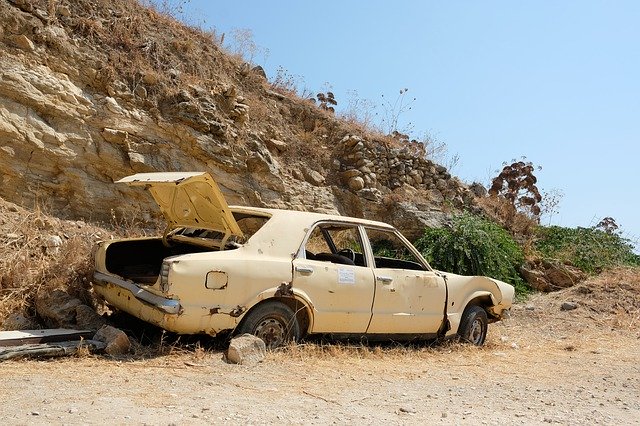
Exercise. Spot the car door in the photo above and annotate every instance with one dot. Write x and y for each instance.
(409, 297)
(331, 269)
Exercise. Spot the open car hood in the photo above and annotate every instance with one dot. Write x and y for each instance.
(189, 200)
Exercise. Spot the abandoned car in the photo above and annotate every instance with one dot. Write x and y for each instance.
(281, 275)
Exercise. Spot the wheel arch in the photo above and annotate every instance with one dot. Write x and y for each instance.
(298, 304)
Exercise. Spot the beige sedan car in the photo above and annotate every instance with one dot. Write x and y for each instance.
(281, 275)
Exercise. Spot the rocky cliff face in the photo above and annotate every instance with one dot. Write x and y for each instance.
(94, 91)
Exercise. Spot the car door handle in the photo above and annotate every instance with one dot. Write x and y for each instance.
(304, 269)
(384, 279)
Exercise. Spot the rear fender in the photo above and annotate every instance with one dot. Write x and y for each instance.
(289, 296)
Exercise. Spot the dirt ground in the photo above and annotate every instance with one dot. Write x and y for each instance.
(543, 365)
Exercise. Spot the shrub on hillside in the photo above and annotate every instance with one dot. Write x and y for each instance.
(590, 249)
(474, 246)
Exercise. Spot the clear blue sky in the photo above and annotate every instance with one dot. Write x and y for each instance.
(555, 81)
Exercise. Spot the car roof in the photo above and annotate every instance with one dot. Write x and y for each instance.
(308, 217)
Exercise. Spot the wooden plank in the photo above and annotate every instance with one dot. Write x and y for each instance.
(48, 349)
(22, 337)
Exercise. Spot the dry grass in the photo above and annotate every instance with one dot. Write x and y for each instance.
(38, 254)
(501, 211)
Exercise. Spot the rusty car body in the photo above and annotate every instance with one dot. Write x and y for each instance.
(283, 274)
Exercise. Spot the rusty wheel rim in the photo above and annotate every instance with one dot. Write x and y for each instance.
(475, 333)
(271, 331)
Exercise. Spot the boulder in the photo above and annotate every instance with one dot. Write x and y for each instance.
(548, 275)
(116, 340)
(356, 183)
(535, 278)
(57, 309)
(275, 144)
(23, 42)
(88, 319)
(348, 174)
(562, 276)
(18, 321)
(246, 350)
(313, 177)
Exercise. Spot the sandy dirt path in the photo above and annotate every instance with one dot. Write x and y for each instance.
(536, 368)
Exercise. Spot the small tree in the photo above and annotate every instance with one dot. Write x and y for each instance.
(327, 101)
(517, 184)
(608, 225)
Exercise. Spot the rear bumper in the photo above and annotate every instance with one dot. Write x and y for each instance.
(166, 305)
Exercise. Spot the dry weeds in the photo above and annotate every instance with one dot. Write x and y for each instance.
(39, 253)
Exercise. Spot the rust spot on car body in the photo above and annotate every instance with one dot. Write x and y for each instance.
(284, 290)
(214, 311)
(237, 311)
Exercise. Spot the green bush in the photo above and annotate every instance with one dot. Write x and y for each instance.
(589, 249)
(474, 246)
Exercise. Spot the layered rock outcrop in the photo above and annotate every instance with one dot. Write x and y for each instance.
(77, 113)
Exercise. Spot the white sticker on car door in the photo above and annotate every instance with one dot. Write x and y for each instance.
(346, 276)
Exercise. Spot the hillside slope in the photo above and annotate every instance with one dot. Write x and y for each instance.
(91, 91)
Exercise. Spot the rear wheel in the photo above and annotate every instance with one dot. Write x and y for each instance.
(473, 325)
(273, 322)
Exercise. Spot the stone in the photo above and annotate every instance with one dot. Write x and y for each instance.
(17, 321)
(246, 349)
(562, 276)
(535, 278)
(140, 92)
(117, 341)
(568, 306)
(52, 244)
(258, 164)
(350, 140)
(297, 174)
(112, 105)
(259, 71)
(276, 145)
(348, 174)
(151, 78)
(371, 194)
(53, 241)
(119, 137)
(88, 319)
(478, 190)
(356, 183)
(64, 11)
(23, 42)
(57, 309)
(313, 177)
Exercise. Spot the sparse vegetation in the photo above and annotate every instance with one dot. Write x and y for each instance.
(590, 249)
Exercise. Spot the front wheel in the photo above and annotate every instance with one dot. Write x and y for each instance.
(473, 325)
(273, 322)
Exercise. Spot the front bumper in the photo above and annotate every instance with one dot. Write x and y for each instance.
(166, 305)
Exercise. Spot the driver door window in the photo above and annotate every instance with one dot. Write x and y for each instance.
(336, 244)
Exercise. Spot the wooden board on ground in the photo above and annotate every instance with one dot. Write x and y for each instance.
(23, 337)
(48, 349)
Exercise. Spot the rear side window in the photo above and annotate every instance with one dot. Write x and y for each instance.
(390, 252)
